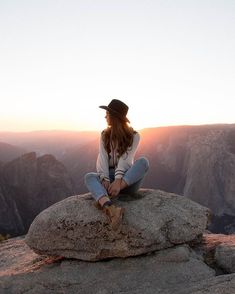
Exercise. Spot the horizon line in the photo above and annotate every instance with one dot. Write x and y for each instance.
(93, 130)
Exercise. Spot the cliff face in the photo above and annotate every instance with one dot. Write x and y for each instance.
(197, 162)
(10, 219)
(28, 186)
(79, 161)
(210, 172)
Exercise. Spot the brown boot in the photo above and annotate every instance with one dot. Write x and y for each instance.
(97, 205)
(114, 214)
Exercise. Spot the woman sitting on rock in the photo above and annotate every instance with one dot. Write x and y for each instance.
(116, 169)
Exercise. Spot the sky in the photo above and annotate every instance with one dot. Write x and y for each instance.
(171, 61)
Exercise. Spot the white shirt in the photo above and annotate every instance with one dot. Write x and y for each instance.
(121, 165)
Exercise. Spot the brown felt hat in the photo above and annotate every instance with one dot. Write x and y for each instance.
(117, 108)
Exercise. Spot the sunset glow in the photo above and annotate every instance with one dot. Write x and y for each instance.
(172, 62)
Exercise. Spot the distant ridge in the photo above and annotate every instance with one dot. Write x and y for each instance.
(9, 152)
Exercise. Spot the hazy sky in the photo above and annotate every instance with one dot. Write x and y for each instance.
(171, 61)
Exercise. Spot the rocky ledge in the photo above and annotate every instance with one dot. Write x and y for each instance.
(166, 229)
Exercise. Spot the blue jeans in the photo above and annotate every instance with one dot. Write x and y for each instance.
(133, 177)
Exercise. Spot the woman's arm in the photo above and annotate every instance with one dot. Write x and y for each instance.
(102, 163)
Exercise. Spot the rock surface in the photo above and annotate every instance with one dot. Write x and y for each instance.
(153, 220)
(225, 254)
(225, 257)
(176, 270)
(218, 251)
(224, 284)
(154, 273)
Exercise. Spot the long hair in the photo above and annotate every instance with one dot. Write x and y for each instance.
(118, 134)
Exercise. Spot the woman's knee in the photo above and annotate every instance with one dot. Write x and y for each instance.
(144, 162)
(89, 176)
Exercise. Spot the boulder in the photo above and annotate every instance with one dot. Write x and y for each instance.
(225, 254)
(218, 251)
(153, 220)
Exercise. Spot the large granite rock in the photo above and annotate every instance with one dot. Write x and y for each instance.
(153, 220)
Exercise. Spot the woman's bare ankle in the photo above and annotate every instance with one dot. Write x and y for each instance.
(103, 199)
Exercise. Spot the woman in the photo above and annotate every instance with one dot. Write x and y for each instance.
(116, 170)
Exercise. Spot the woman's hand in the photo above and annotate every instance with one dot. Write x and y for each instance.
(115, 187)
(106, 184)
